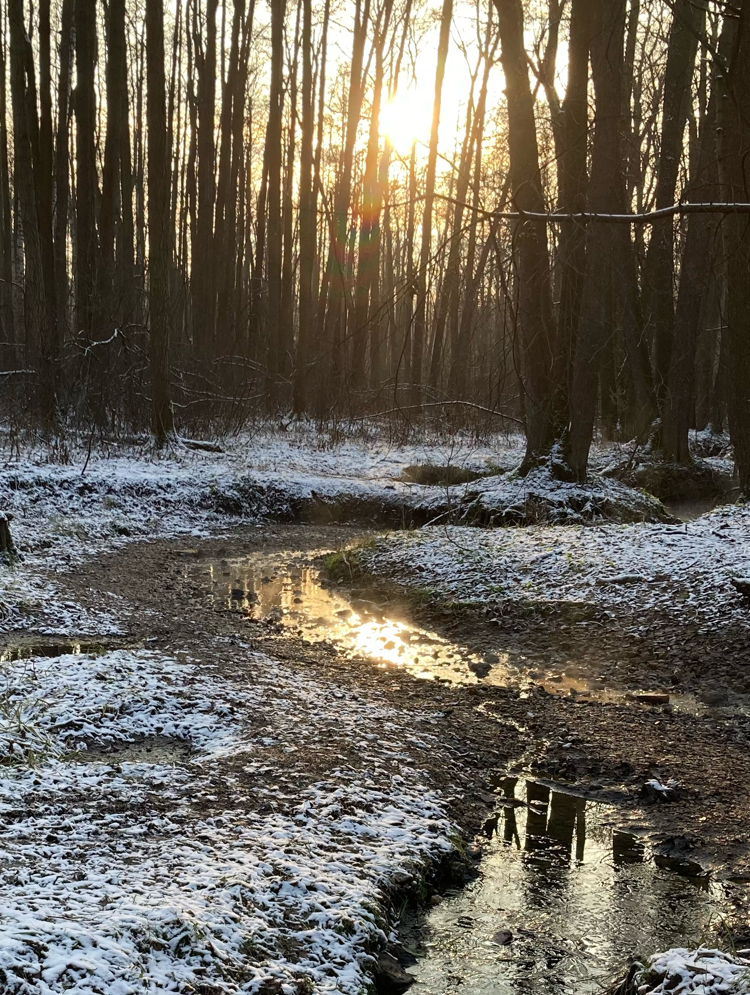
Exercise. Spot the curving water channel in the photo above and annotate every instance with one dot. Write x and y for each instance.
(567, 893)
(289, 589)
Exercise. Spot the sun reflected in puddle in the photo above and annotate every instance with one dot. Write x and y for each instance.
(295, 595)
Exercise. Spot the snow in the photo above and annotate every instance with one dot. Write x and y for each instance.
(696, 972)
(683, 570)
(225, 865)
(120, 877)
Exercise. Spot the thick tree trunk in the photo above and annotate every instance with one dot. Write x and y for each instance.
(606, 194)
(534, 317)
(572, 177)
(36, 314)
(735, 157)
(158, 232)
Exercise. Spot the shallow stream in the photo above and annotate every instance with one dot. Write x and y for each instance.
(288, 588)
(567, 896)
(568, 892)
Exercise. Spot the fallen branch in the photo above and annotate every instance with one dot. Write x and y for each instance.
(442, 404)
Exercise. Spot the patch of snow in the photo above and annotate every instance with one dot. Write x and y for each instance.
(681, 570)
(124, 878)
(695, 972)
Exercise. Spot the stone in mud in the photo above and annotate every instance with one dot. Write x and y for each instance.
(390, 977)
(503, 937)
(480, 667)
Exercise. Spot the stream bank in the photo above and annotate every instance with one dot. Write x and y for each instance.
(249, 593)
(208, 708)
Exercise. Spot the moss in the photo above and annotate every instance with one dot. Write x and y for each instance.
(347, 564)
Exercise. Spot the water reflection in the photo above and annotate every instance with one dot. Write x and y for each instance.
(566, 897)
(293, 593)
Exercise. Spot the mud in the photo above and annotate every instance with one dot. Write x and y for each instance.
(597, 745)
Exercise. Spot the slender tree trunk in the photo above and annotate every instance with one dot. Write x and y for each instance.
(273, 159)
(286, 321)
(87, 183)
(337, 253)
(62, 168)
(420, 316)
(307, 217)
(202, 270)
(658, 276)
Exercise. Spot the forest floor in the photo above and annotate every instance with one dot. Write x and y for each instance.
(198, 796)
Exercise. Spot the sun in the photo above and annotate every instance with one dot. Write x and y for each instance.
(406, 118)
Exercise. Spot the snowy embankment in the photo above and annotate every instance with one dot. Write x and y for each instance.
(220, 872)
(680, 569)
(99, 501)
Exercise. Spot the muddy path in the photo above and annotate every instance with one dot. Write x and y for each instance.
(606, 750)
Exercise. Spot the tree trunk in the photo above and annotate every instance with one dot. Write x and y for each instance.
(307, 217)
(658, 278)
(273, 160)
(735, 157)
(534, 307)
(87, 183)
(202, 270)
(158, 233)
(36, 314)
(420, 316)
(606, 194)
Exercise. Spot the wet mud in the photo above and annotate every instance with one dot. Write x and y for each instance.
(581, 868)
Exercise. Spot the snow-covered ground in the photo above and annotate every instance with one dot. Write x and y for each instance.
(703, 971)
(681, 569)
(119, 876)
(99, 500)
(217, 869)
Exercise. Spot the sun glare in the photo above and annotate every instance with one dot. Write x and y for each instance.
(406, 119)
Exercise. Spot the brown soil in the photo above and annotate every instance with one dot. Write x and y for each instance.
(608, 749)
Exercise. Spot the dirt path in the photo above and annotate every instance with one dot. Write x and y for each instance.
(475, 732)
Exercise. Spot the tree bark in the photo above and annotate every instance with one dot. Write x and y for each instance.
(420, 316)
(535, 323)
(735, 158)
(162, 424)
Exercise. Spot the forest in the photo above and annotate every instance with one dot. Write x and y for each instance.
(532, 214)
(374, 497)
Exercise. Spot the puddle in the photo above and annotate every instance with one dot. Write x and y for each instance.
(565, 898)
(44, 648)
(149, 750)
(688, 511)
(288, 589)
